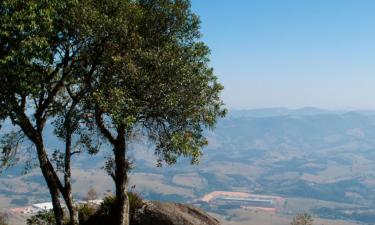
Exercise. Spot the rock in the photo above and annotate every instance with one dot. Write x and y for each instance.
(157, 213)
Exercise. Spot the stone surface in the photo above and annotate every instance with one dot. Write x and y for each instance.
(157, 213)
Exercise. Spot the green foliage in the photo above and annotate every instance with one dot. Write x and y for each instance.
(135, 203)
(32, 38)
(117, 66)
(154, 73)
(42, 218)
(86, 211)
(155, 77)
(107, 207)
(4, 218)
(302, 219)
(40, 64)
(9, 146)
(39, 51)
(105, 214)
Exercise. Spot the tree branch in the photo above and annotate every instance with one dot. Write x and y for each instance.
(100, 123)
(113, 176)
(75, 152)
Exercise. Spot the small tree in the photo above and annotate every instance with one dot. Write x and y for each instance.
(91, 195)
(40, 61)
(37, 50)
(302, 219)
(4, 218)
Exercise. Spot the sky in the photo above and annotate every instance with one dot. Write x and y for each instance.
(292, 53)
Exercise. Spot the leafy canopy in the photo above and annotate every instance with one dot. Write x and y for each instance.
(155, 77)
(139, 65)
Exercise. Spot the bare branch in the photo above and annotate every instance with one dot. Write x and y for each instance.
(75, 152)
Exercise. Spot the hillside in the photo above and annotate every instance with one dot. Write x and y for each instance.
(319, 161)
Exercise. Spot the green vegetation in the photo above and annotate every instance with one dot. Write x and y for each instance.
(103, 71)
(38, 45)
(302, 219)
(243, 156)
(90, 214)
(154, 80)
(105, 214)
(42, 218)
(3, 218)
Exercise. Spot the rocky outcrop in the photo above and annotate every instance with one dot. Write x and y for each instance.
(158, 213)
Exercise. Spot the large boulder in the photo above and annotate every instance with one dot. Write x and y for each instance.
(158, 213)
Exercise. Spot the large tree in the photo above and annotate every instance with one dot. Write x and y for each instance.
(122, 66)
(154, 79)
(39, 57)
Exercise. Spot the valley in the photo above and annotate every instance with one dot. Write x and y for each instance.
(318, 161)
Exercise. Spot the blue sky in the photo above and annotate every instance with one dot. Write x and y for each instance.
(292, 53)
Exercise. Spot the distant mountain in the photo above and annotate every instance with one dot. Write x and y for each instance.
(270, 112)
(314, 158)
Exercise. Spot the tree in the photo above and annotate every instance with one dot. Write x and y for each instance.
(154, 79)
(77, 138)
(302, 219)
(4, 218)
(91, 195)
(121, 67)
(39, 56)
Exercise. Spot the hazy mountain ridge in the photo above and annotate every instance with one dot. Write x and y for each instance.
(302, 155)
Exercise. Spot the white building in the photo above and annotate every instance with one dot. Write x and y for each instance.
(44, 206)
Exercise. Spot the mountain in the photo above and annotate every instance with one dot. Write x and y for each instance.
(319, 161)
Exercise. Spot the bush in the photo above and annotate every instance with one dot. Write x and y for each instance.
(90, 214)
(105, 212)
(45, 217)
(108, 205)
(42, 218)
(135, 203)
(86, 211)
(4, 219)
(302, 219)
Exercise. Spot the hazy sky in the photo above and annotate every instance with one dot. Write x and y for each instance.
(292, 53)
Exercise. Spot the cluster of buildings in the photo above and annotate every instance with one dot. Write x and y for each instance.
(244, 200)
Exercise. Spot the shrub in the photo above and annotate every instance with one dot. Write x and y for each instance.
(42, 218)
(90, 214)
(107, 205)
(86, 211)
(4, 218)
(302, 219)
(105, 213)
(135, 203)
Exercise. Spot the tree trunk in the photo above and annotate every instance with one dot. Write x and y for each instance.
(49, 174)
(121, 178)
(122, 206)
(57, 209)
(72, 208)
(67, 192)
(122, 167)
(52, 183)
